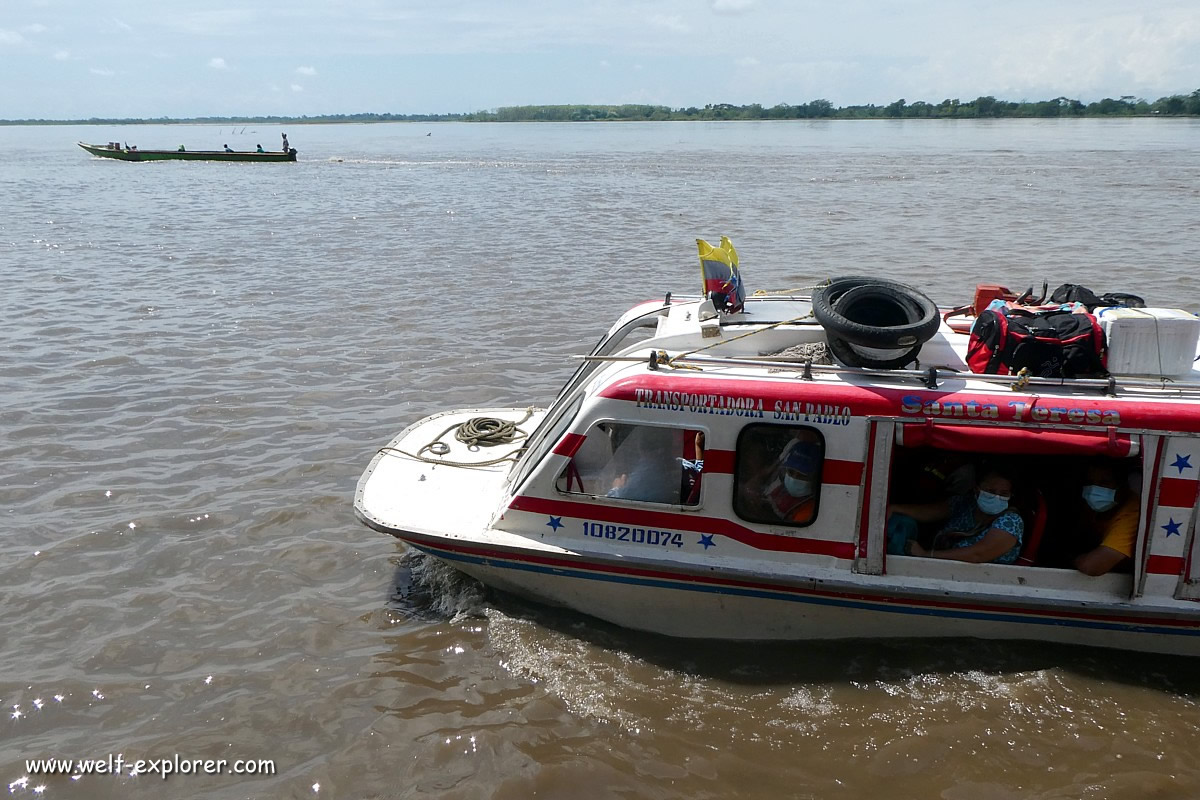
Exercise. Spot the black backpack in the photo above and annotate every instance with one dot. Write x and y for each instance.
(1050, 344)
(1074, 293)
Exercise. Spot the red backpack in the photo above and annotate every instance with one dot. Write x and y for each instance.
(1050, 344)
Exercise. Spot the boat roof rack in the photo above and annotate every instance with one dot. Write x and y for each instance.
(929, 376)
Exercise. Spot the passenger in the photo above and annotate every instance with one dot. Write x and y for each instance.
(979, 526)
(693, 471)
(944, 475)
(260, 150)
(640, 464)
(285, 142)
(1110, 516)
(181, 150)
(228, 149)
(785, 490)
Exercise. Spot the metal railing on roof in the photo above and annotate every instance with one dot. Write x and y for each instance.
(930, 376)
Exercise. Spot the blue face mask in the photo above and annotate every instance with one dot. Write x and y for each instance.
(991, 503)
(796, 487)
(1100, 498)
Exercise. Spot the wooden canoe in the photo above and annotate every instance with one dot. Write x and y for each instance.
(121, 154)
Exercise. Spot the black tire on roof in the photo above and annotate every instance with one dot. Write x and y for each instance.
(844, 352)
(876, 313)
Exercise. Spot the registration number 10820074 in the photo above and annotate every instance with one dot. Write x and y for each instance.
(623, 533)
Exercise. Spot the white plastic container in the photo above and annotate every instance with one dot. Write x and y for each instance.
(1149, 341)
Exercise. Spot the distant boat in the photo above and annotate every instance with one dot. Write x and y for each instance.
(132, 154)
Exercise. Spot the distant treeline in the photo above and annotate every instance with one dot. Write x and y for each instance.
(981, 107)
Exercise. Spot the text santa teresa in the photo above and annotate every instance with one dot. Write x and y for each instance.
(1014, 410)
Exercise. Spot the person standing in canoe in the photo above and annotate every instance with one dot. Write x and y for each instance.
(286, 147)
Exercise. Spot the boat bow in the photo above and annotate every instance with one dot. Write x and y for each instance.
(429, 481)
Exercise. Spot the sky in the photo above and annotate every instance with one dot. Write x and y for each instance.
(75, 59)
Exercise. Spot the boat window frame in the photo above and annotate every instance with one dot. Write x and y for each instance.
(572, 392)
(557, 422)
(607, 345)
(737, 474)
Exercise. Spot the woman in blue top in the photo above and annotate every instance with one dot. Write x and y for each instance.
(978, 527)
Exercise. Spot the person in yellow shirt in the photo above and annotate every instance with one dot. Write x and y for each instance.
(1112, 513)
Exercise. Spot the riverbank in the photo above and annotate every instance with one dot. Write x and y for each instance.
(980, 108)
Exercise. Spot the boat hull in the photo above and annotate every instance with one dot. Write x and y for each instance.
(188, 155)
(730, 606)
(600, 512)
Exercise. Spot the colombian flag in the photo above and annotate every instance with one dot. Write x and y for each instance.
(722, 281)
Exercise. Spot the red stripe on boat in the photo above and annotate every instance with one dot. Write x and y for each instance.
(686, 522)
(683, 393)
(863, 526)
(1164, 565)
(719, 461)
(1026, 441)
(1149, 508)
(842, 473)
(569, 444)
(1177, 492)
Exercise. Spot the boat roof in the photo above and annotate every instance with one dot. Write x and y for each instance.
(770, 344)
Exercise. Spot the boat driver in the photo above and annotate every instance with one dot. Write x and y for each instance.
(786, 490)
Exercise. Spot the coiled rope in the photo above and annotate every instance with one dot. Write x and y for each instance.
(474, 433)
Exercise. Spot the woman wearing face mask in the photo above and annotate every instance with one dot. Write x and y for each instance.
(1110, 513)
(980, 526)
(785, 490)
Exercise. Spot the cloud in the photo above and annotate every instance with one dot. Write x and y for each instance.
(747, 61)
(217, 22)
(297, 87)
(62, 55)
(104, 73)
(731, 6)
(218, 63)
(36, 27)
(310, 71)
(671, 22)
(795, 81)
(1123, 53)
(11, 37)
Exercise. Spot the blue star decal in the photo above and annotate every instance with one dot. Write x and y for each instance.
(706, 540)
(1181, 462)
(1172, 527)
(555, 522)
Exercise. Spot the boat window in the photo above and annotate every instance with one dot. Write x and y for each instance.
(777, 478)
(647, 463)
(1048, 492)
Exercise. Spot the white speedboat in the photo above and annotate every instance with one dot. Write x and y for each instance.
(646, 494)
